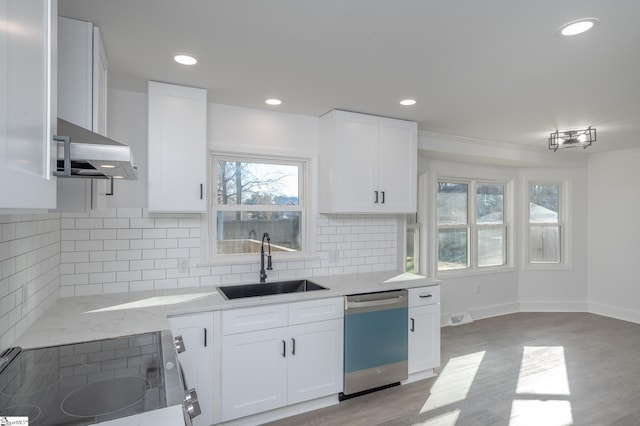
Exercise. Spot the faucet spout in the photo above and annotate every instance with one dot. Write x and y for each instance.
(263, 273)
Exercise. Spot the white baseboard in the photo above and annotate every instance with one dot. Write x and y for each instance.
(614, 312)
(553, 306)
(281, 413)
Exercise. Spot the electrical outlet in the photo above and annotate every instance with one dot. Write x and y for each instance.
(183, 266)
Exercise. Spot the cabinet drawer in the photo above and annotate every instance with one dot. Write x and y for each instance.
(252, 319)
(424, 296)
(316, 310)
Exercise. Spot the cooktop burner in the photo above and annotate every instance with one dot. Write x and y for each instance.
(85, 383)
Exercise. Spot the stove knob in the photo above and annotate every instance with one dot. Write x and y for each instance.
(191, 404)
(179, 344)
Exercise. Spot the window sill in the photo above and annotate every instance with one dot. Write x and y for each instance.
(243, 260)
(474, 272)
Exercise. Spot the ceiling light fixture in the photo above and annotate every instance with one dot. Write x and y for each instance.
(572, 138)
(184, 59)
(578, 26)
(408, 102)
(273, 102)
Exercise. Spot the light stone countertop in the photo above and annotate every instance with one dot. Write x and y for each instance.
(78, 319)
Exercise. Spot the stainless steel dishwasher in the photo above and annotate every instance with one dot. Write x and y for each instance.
(375, 340)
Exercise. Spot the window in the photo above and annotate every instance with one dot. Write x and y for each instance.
(545, 226)
(413, 244)
(476, 238)
(254, 196)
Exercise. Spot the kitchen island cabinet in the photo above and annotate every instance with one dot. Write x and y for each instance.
(177, 150)
(28, 108)
(293, 355)
(368, 164)
(197, 359)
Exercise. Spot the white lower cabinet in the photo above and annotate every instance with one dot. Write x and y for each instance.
(196, 361)
(274, 367)
(424, 329)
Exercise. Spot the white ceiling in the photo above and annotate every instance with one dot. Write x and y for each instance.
(491, 70)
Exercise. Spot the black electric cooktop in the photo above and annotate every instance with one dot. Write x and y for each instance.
(84, 383)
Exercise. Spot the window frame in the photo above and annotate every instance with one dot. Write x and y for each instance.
(564, 225)
(473, 228)
(303, 206)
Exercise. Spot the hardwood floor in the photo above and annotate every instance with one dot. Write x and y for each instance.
(519, 369)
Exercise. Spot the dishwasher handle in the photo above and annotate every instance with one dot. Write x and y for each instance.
(374, 303)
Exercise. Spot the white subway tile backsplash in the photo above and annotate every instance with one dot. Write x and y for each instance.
(29, 270)
(145, 250)
(121, 223)
(102, 234)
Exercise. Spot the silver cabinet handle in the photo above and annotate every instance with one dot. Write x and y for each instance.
(201, 191)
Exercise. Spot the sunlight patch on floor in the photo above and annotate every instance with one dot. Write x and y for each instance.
(449, 418)
(543, 371)
(535, 413)
(454, 382)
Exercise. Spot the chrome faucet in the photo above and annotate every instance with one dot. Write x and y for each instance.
(263, 273)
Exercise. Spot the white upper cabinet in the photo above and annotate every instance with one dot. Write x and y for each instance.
(177, 149)
(368, 164)
(82, 100)
(28, 103)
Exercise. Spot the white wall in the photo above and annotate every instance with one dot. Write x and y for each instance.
(614, 234)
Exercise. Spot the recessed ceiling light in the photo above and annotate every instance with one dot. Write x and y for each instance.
(408, 102)
(273, 101)
(578, 26)
(184, 59)
(107, 166)
(118, 177)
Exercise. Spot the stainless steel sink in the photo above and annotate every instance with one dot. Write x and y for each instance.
(269, 288)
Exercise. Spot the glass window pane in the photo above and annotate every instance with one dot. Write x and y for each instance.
(452, 249)
(452, 203)
(241, 231)
(250, 183)
(490, 203)
(544, 244)
(544, 201)
(491, 246)
(413, 244)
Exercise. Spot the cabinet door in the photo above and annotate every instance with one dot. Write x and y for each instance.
(82, 87)
(28, 108)
(356, 163)
(315, 360)
(177, 148)
(197, 359)
(424, 338)
(397, 166)
(254, 372)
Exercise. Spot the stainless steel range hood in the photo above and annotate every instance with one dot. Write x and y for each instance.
(90, 155)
